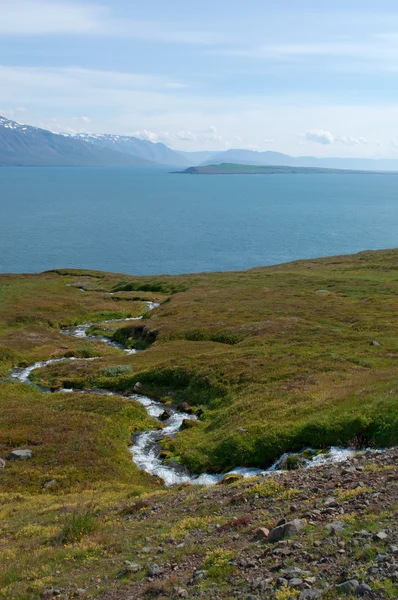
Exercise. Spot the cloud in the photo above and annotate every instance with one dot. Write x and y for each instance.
(320, 136)
(68, 77)
(187, 136)
(152, 136)
(209, 135)
(50, 17)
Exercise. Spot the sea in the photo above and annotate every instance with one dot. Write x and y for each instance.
(153, 221)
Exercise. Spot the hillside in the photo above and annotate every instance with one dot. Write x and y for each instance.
(261, 362)
(22, 145)
(253, 157)
(153, 152)
(237, 169)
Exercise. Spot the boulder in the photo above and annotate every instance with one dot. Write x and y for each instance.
(335, 527)
(187, 424)
(348, 586)
(285, 530)
(261, 534)
(186, 408)
(363, 590)
(20, 455)
(374, 343)
(310, 595)
(165, 415)
(138, 387)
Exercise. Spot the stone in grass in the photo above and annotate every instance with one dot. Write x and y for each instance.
(261, 534)
(231, 478)
(2, 464)
(310, 595)
(381, 536)
(282, 531)
(131, 567)
(20, 455)
(335, 527)
(138, 387)
(363, 589)
(49, 484)
(348, 586)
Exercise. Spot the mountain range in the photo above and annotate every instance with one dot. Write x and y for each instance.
(24, 145)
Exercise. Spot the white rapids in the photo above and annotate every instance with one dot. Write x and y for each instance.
(145, 447)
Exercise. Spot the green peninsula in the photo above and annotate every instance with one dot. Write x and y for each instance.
(237, 169)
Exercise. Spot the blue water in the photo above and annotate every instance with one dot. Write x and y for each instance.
(151, 221)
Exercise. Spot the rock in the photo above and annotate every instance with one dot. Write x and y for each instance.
(20, 455)
(50, 593)
(381, 536)
(182, 593)
(2, 464)
(231, 478)
(295, 582)
(186, 408)
(310, 594)
(79, 593)
(138, 387)
(132, 567)
(187, 424)
(330, 502)
(282, 531)
(261, 534)
(348, 586)
(393, 549)
(363, 589)
(154, 571)
(335, 527)
(165, 415)
(374, 343)
(49, 484)
(295, 461)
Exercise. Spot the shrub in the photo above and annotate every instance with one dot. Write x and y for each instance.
(217, 563)
(76, 525)
(116, 370)
(85, 352)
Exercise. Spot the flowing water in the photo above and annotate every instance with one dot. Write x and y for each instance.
(145, 447)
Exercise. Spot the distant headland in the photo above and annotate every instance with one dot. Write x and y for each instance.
(237, 169)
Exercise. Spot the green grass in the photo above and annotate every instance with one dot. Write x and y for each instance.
(281, 352)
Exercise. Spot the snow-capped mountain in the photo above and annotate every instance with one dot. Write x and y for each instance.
(31, 146)
(154, 152)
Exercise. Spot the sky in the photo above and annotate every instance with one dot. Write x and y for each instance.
(305, 77)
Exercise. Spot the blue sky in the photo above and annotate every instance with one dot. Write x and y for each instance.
(302, 77)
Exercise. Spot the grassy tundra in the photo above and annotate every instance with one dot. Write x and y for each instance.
(278, 358)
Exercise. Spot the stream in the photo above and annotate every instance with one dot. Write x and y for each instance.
(145, 447)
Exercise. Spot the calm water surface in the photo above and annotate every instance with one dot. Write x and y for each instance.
(151, 221)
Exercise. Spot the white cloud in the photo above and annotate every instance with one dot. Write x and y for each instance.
(319, 136)
(50, 17)
(187, 136)
(152, 136)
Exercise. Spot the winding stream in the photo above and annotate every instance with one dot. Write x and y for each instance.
(145, 447)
